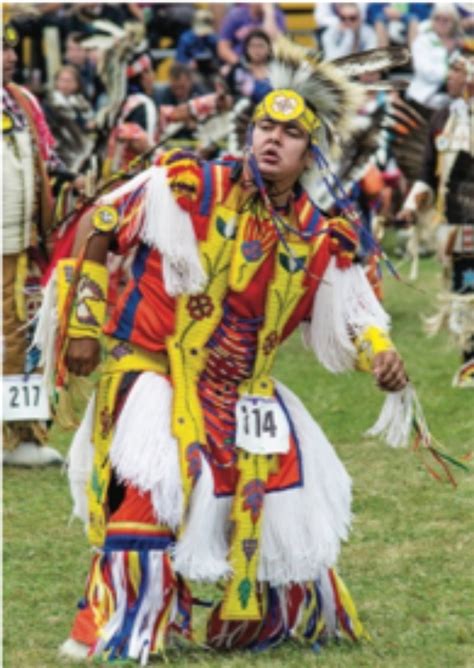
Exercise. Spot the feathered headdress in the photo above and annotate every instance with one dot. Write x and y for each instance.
(324, 98)
(328, 89)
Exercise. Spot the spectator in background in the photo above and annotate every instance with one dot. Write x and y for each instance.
(243, 18)
(397, 23)
(197, 47)
(70, 117)
(431, 49)
(76, 55)
(349, 35)
(68, 94)
(250, 74)
(180, 88)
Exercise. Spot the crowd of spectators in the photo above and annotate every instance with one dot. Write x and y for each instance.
(215, 46)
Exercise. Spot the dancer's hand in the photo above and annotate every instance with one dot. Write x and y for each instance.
(82, 356)
(389, 371)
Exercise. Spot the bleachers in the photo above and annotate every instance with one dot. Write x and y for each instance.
(300, 22)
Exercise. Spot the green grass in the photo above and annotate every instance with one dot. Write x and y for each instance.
(408, 563)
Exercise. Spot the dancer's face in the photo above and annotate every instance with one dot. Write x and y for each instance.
(281, 150)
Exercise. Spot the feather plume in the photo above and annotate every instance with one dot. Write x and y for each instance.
(101, 25)
(334, 98)
(373, 60)
(388, 85)
(408, 130)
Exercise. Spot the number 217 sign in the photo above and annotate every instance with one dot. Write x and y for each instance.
(24, 399)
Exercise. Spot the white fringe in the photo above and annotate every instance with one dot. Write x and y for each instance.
(148, 461)
(201, 552)
(79, 463)
(46, 330)
(303, 527)
(396, 417)
(151, 604)
(140, 640)
(113, 196)
(144, 452)
(167, 228)
(344, 305)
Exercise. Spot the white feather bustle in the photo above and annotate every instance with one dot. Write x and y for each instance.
(344, 305)
(166, 227)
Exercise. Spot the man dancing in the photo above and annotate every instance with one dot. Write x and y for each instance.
(201, 467)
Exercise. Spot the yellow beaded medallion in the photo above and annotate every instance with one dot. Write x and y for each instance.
(285, 105)
(105, 219)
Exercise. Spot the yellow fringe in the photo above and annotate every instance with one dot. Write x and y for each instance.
(19, 288)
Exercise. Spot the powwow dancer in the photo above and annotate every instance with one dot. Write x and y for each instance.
(200, 466)
(29, 162)
(447, 183)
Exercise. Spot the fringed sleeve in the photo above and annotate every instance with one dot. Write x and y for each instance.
(156, 207)
(344, 307)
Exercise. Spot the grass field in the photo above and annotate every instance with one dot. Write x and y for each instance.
(409, 563)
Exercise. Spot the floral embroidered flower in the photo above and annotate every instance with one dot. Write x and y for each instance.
(270, 343)
(200, 307)
(254, 492)
(252, 250)
(244, 589)
(120, 350)
(193, 458)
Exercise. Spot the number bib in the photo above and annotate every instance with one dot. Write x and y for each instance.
(24, 399)
(262, 426)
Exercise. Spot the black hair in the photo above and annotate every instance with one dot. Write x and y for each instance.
(260, 34)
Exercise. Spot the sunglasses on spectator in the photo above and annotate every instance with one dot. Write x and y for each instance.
(444, 19)
(349, 18)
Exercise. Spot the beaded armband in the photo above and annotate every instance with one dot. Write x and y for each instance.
(371, 342)
(85, 309)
